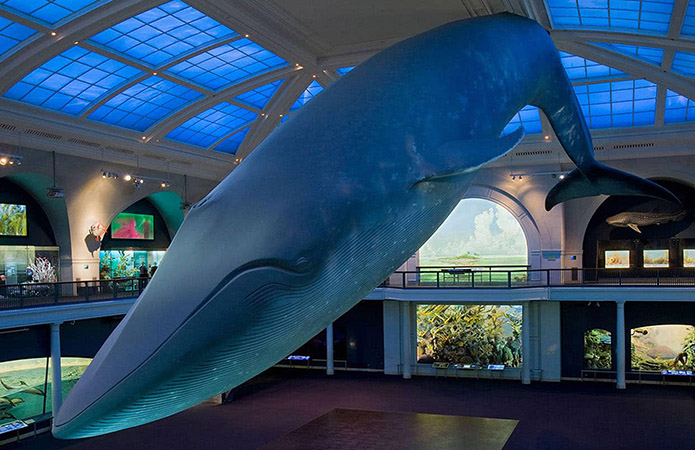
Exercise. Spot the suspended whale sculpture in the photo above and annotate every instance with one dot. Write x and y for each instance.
(636, 219)
(329, 205)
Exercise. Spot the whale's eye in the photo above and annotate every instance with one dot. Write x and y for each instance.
(302, 263)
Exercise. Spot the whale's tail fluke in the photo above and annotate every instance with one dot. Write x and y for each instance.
(600, 179)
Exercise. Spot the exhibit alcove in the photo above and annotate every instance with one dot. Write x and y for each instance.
(25, 234)
(642, 233)
(137, 235)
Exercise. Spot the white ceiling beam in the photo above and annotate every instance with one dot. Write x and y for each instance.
(161, 129)
(279, 105)
(41, 50)
(632, 66)
(538, 12)
(644, 40)
(126, 144)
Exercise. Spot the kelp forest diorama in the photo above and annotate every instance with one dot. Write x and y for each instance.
(469, 334)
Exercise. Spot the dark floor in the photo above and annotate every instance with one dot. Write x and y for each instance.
(551, 415)
(384, 430)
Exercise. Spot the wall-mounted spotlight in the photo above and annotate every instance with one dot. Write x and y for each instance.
(10, 160)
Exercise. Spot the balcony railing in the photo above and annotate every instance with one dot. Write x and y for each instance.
(489, 277)
(28, 295)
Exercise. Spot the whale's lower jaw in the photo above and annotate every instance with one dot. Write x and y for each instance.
(289, 314)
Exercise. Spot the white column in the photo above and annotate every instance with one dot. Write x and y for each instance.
(405, 339)
(56, 376)
(525, 344)
(330, 369)
(620, 344)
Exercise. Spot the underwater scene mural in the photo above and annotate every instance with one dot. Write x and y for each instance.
(133, 226)
(25, 385)
(662, 347)
(469, 334)
(597, 349)
(655, 258)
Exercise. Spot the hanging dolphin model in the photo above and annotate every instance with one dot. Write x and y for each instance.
(329, 205)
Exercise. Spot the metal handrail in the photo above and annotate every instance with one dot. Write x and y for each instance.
(465, 277)
(31, 295)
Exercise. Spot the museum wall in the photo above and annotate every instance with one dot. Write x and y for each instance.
(578, 213)
(90, 199)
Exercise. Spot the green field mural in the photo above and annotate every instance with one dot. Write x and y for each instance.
(477, 233)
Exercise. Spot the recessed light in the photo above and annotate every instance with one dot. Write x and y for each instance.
(53, 33)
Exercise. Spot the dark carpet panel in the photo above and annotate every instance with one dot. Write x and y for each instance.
(551, 415)
(342, 429)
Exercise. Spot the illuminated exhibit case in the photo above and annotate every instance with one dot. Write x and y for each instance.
(469, 334)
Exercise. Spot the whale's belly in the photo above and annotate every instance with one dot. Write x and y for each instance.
(275, 312)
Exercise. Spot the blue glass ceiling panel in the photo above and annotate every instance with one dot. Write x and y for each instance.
(212, 125)
(580, 69)
(71, 81)
(232, 143)
(678, 108)
(529, 117)
(649, 55)
(651, 16)
(162, 34)
(688, 28)
(684, 64)
(12, 34)
(344, 70)
(618, 104)
(140, 106)
(224, 65)
(259, 97)
(48, 12)
(313, 89)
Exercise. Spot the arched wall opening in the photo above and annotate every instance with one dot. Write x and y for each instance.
(33, 226)
(634, 233)
(137, 237)
(488, 227)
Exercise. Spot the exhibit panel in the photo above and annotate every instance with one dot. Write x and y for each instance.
(136, 237)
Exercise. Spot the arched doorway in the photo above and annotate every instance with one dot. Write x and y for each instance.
(478, 232)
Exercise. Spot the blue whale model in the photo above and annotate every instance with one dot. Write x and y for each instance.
(326, 208)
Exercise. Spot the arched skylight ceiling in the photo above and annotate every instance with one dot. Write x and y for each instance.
(164, 70)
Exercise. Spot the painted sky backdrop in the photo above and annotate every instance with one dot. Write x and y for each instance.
(477, 226)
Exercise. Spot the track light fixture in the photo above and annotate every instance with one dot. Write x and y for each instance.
(10, 160)
(137, 180)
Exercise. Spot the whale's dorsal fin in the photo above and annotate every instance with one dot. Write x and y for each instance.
(464, 156)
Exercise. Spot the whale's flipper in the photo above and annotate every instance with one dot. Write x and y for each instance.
(601, 179)
(467, 155)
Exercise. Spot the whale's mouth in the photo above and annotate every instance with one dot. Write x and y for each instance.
(291, 274)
